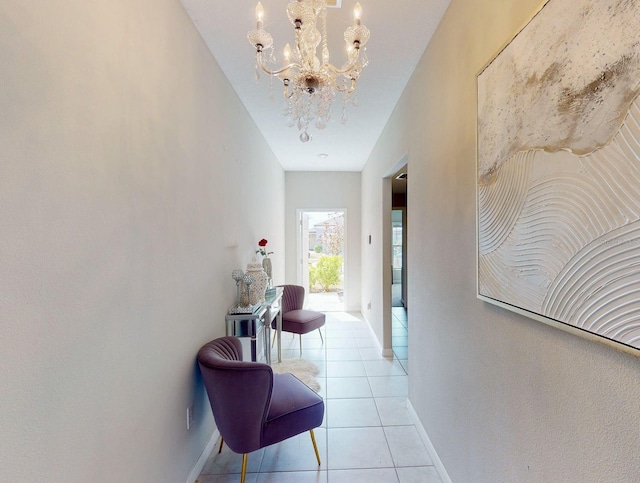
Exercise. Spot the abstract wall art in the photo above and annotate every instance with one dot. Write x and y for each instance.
(558, 170)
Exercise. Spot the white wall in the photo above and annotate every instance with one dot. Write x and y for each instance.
(125, 204)
(502, 397)
(326, 191)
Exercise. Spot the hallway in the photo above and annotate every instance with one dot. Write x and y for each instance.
(367, 434)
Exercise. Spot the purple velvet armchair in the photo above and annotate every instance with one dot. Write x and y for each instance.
(294, 318)
(252, 406)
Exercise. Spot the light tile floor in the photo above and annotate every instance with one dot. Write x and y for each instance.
(367, 434)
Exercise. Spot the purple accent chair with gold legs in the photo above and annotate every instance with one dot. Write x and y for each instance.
(294, 318)
(252, 406)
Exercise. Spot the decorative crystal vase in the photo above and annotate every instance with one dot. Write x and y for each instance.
(260, 281)
(266, 265)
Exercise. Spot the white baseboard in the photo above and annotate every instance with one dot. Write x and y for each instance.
(384, 352)
(387, 353)
(197, 469)
(437, 462)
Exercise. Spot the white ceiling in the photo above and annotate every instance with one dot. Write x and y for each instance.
(400, 32)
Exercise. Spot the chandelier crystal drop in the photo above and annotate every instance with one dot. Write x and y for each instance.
(310, 81)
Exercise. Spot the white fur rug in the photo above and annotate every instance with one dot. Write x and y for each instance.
(304, 370)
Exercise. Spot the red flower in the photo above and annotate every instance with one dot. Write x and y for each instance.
(262, 250)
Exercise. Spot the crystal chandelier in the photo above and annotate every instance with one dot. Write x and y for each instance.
(311, 82)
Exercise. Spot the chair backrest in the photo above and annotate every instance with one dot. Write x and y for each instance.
(292, 298)
(239, 392)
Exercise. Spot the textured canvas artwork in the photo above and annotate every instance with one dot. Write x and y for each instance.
(559, 169)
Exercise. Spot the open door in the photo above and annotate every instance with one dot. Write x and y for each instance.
(321, 246)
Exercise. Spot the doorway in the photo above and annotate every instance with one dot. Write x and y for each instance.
(399, 317)
(321, 248)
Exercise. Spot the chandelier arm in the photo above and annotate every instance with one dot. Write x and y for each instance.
(351, 65)
(344, 90)
(278, 71)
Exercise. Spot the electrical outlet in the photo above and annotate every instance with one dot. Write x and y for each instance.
(189, 416)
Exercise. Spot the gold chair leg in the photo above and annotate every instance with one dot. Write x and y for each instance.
(315, 446)
(221, 443)
(244, 468)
